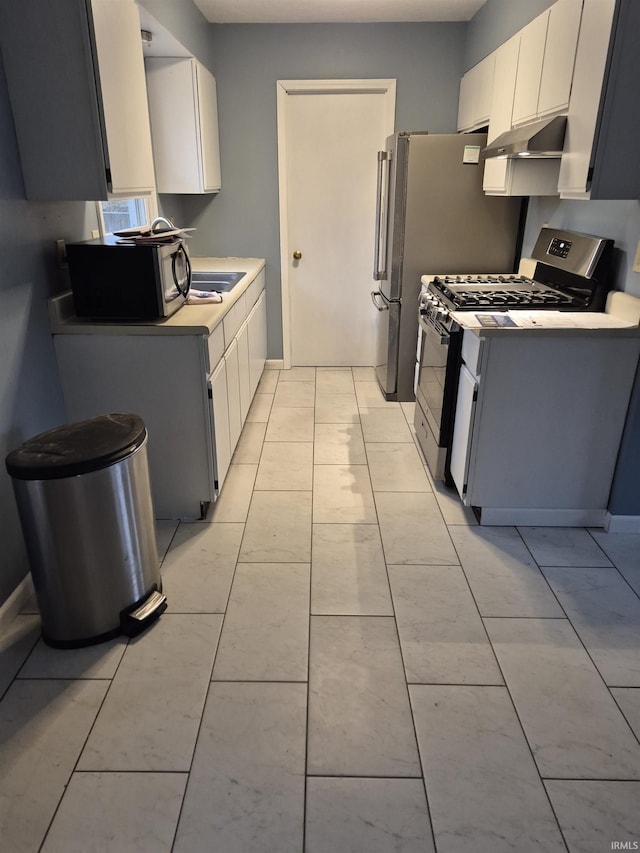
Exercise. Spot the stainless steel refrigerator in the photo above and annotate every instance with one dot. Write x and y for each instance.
(432, 217)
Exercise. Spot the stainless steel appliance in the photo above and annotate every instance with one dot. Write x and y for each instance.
(431, 215)
(84, 499)
(572, 273)
(114, 280)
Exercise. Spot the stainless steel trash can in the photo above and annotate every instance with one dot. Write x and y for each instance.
(84, 501)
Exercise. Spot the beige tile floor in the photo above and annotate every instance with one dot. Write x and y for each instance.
(348, 663)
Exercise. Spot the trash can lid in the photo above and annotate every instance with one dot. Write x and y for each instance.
(77, 448)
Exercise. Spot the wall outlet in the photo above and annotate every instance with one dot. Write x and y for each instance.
(636, 261)
(95, 234)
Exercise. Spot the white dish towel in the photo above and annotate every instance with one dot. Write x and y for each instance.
(196, 297)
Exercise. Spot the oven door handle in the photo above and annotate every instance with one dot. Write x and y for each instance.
(445, 339)
(374, 298)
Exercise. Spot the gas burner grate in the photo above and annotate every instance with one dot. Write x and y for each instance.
(467, 292)
(457, 280)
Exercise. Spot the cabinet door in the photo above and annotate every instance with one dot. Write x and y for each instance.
(476, 88)
(497, 172)
(208, 129)
(172, 106)
(589, 77)
(81, 119)
(124, 96)
(257, 323)
(243, 370)
(463, 430)
(465, 105)
(184, 123)
(233, 394)
(559, 56)
(484, 90)
(532, 44)
(221, 438)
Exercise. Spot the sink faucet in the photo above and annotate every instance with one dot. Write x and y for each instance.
(158, 220)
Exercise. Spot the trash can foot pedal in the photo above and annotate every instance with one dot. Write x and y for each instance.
(133, 622)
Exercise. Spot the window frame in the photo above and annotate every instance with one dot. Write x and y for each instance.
(150, 203)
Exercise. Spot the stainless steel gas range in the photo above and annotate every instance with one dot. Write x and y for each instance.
(572, 273)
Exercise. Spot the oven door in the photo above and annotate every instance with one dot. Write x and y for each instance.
(436, 392)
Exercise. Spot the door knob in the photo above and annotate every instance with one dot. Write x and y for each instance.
(297, 255)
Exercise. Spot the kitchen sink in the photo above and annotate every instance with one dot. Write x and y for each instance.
(223, 282)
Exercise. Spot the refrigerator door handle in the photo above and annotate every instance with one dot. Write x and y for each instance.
(380, 252)
(386, 303)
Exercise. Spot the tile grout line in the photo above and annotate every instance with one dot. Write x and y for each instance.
(635, 734)
(422, 777)
(306, 729)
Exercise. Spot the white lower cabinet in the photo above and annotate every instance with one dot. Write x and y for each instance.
(243, 370)
(192, 391)
(538, 425)
(218, 390)
(233, 392)
(257, 325)
(463, 429)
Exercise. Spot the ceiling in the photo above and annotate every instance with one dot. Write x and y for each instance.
(335, 11)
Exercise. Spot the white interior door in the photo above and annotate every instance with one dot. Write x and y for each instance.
(329, 133)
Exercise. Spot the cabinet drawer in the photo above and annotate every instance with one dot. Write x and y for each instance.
(254, 290)
(234, 319)
(215, 347)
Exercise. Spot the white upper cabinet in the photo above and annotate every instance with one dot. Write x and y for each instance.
(545, 68)
(532, 40)
(559, 56)
(519, 177)
(184, 125)
(497, 172)
(476, 89)
(75, 74)
(600, 159)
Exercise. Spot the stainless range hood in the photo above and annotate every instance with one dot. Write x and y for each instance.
(540, 140)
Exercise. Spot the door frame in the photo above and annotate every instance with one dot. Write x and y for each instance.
(285, 88)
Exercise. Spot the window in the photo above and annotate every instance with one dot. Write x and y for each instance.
(117, 214)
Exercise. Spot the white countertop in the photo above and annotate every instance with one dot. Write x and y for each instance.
(564, 322)
(187, 320)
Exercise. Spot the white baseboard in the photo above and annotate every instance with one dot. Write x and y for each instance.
(16, 601)
(622, 523)
(525, 517)
(274, 364)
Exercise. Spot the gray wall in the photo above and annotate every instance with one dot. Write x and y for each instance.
(30, 396)
(426, 60)
(620, 220)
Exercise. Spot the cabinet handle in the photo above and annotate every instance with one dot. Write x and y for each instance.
(297, 255)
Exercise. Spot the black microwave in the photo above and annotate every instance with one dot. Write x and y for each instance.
(111, 280)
